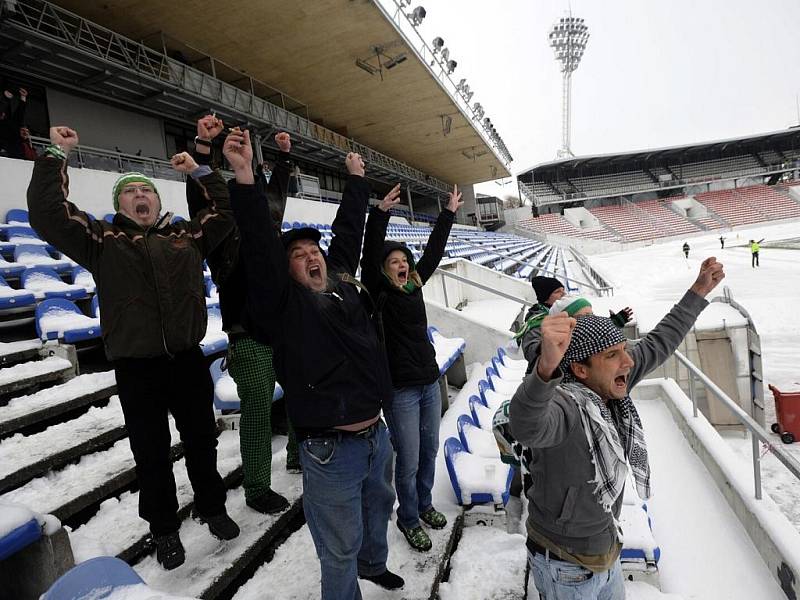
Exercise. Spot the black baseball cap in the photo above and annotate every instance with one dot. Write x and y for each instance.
(300, 233)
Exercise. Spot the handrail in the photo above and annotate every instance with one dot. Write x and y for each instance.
(758, 432)
(486, 288)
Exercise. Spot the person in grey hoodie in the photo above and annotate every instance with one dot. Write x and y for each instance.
(575, 414)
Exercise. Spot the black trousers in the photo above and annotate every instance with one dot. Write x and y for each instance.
(148, 388)
(754, 260)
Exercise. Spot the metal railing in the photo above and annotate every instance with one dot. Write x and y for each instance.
(757, 433)
(445, 274)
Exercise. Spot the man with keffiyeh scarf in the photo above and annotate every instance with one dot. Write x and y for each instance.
(575, 413)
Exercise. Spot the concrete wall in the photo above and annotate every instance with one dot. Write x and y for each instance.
(689, 207)
(581, 218)
(482, 340)
(512, 215)
(104, 126)
(458, 292)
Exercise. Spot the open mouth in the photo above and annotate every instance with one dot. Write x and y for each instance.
(402, 276)
(621, 380)
(142, 209)
(315, 272)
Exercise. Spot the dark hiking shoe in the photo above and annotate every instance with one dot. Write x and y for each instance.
(433, 518)
(169, 550)
(221, 526)
(416, 538)
(268, 503)
(386, 580)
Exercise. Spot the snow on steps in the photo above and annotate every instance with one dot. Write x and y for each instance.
(81, 391)
(14, 352)
(24, 457)
(21, 376)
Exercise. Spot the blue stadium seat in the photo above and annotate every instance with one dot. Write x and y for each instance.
(17, 215)
(83, 328)
(83, 278)
(37, 256)
(215, 339)
(96, 306)
(474, 402)
(226, 396)
(96, 578)
(10, 269)
(464, 421)
(11, 298)
(45, 281)
(510, 362)
(19, 537)
(484, 385)
(452, 450)
(109, 217)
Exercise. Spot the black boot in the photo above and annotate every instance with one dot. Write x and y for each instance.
(386, 580)
(221, 526)
(268, 503)
(169, 550)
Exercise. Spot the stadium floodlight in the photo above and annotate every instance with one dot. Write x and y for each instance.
(438, 44)
(366, 66)
(395, 60)
(451, 66)
(417, 16)
(568, 38)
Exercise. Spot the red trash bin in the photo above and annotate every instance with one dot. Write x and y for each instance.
(787, 411)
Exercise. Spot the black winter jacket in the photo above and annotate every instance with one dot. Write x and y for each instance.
(226, 263)
(328, 358)
(412, 358)
(149, 281)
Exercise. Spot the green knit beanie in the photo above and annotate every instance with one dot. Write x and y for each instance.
(132, 177)
(569, 305)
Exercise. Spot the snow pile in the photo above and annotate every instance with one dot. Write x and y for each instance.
(446, 347)
(479, 475)
(85, 280)
(142, 592)
(51, 364)
(9, 292)
(225, 388)
(13, 516)
(39, 282)
(27, 240)
(59, 320)
(214, 333)
(481, 442)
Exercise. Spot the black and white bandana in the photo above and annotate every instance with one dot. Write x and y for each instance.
(613, 430)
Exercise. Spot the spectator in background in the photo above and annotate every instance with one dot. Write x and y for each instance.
(249, 361)
(149, 275)
(333, 370)
(12, 118)
(395, 281)
(548, 290)
(686, 249)
(575, 414)
(755, 248)
(28, 153)
(722, 242)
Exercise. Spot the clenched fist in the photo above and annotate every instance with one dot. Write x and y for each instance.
(711, 273)
(65, 137)
(209, 127)
(556, 335)
(354, 164)
(183, 163)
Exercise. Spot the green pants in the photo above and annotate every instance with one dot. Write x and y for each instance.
(250, 365)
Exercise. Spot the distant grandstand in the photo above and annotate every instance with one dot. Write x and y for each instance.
(680, 191)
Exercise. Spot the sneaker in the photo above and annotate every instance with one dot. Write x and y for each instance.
(268, 503)
(416, 538)
(386, 580)
(433, 518)
(169, 550)
(221, 526)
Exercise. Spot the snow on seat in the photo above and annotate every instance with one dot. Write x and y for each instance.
(212, 294)
(475, 479)
(10, 269)
(11, 298)
(97, 578)
(501, 386)
(514, 373)
(492, 399)
(58, 318)
(509, 362)
(215, 339)
(638, 543)
(448, 350)
(482, 415)
(44, 282)
(476, 440)
(19, 527)
(226, 395)
(37, 256)
(84, 279)
(21, 235)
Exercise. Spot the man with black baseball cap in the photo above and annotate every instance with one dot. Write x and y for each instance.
(333, 369)
(548, 290)
(575, 414)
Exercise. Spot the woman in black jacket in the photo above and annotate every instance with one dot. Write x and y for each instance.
(395, 284)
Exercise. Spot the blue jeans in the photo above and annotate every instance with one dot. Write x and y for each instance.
(347, 501)
(560, 580)
(414, 422)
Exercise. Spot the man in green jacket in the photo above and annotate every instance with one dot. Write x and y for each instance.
(149, 275)
(575, 414)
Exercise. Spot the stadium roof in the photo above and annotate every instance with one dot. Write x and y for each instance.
(617, 162)
(308, 49)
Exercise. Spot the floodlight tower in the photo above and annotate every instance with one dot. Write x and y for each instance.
(568, 38)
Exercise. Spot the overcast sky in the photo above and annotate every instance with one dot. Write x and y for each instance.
(655, 73)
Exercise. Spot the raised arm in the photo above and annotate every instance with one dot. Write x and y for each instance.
(434, 249)
(266, 267)
(278, 187)
(657, 346)
(52, 216)
(374, 235)
(540, 417)
(348, 226)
